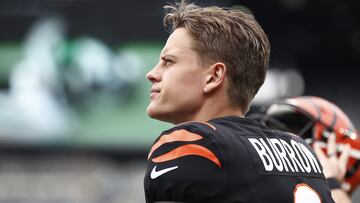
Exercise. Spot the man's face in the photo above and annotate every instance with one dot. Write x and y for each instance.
(177, 81)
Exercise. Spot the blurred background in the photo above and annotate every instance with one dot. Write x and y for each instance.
(73, 93)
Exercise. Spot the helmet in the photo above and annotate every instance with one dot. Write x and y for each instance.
(313, 119)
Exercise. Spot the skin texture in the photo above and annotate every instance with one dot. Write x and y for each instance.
(184, 88)
(334, 166)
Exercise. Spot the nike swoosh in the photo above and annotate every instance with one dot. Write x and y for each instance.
(154, 174)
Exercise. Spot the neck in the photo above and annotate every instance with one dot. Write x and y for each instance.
(213, 108)
(216, 109)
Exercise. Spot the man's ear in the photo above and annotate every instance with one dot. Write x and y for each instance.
(215, 77)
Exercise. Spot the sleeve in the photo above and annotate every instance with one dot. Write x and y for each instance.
(184, 165)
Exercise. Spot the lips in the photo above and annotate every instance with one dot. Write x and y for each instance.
(154, 92)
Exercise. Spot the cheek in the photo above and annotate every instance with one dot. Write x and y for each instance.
(187, 93)
(183, 86)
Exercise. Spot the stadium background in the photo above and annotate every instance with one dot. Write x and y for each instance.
(73, 93)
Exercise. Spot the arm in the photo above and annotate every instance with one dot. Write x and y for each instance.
(334, 168)
(340, 196)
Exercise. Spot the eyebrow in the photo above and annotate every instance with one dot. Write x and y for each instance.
(167, 56)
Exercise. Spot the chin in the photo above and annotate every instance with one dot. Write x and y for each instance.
(158, 115)
(152, 115)
(152, 112)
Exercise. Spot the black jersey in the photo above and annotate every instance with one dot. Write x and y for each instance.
(233, 159)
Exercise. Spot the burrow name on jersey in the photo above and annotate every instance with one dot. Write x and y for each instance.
(278, 155)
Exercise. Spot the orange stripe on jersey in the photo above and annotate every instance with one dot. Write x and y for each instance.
(186, 150)
(178, 135)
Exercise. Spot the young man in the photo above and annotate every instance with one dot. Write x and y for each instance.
(210, 69)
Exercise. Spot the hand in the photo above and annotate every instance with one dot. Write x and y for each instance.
(333, 166)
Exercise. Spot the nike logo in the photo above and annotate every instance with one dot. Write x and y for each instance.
(154, 174)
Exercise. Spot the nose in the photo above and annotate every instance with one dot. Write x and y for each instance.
(153, 75)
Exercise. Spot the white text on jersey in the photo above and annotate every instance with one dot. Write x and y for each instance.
(277, 154)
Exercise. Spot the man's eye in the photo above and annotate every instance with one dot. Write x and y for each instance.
(168, 62)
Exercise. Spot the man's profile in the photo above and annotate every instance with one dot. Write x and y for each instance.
(209, 70)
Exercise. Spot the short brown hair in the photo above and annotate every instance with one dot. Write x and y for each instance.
(230, 36)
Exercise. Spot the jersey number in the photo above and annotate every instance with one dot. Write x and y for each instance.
(305, 194)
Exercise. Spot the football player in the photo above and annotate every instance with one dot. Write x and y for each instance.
(210, 69)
